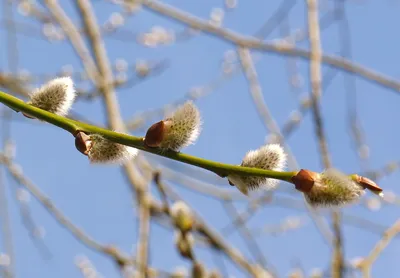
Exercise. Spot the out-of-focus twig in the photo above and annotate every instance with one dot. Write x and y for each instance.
(337, 265)
(144, 234)
(258, 99)
(15, 171)
(246, 234)
(75, 38)
(367, 262)
(7, 234)
(250, 42)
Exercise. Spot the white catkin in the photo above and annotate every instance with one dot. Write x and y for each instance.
(183, 127)
(333, 188)
(56, 96)
(268, 157)
(178, 208)
(106, 151)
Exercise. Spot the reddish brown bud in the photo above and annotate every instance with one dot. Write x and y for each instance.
(366, 183)
(304, 180)
(155, 135)
(83, 142)
(26, 115)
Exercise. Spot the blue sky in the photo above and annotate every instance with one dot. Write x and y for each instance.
(97, 199)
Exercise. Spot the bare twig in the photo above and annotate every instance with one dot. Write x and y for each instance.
(246, 234)
(389, 234)
(160, 187)
(215, 240)
(315, 77)
(250, 42)
(75, 38)
(7, 234)
(259, 101)
(144, 234)
(16, 173)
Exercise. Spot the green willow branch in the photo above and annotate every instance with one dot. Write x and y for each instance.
(73, 127)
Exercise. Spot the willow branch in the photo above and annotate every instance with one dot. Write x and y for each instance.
(73, 126)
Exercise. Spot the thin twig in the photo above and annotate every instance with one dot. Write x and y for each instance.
(75, 38)
(337, 268)
(160, 187)
(15, 171)
(316, 78)
(144, 234)
(105, 83)
(379, 247)
(259, 101)
(7, 234)
(250, 42)
(250, 241)
(214, 238)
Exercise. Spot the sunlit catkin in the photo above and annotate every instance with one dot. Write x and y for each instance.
(101, 150)
(182, 216)
(56, 96)
(179, 130)
(333, 188)
(268, 157)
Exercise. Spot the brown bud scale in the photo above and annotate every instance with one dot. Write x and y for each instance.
(83, 142)
(155, 135)
(367, 183)
(304, 180)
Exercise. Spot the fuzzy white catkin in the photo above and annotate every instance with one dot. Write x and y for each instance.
(179, 272)
(106, 151)
(333, 188)
(182, 216)
(56, 96)
(179, 207)
(182, 128)
(268, 157)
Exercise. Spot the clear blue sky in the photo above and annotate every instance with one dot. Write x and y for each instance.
(97, 199)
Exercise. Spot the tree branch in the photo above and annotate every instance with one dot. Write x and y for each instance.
(137, 142)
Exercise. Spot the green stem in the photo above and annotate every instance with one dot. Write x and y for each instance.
(72, 126)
